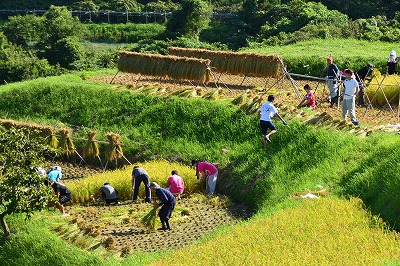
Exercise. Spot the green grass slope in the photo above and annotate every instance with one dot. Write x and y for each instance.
(347, 53)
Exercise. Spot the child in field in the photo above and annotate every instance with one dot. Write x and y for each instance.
(309, 99)
(175, 184)
(167, 204)
(268, 111)
(349, 99)
(209, 174)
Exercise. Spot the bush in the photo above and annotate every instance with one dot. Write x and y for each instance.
(65, 52)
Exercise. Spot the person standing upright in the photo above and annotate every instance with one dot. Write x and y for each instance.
(332, 74)
(349, 99)
(391, 66)
(140, 175)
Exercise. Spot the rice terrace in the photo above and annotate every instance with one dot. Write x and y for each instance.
(199, 133)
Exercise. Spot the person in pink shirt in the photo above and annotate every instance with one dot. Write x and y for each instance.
(209, 174)
(309, 99)
(175, 184)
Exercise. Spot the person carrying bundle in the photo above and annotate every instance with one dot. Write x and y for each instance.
(167, 204)
(108, 193)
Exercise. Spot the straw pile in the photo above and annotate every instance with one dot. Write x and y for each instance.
(253, 64)
(149, 220)
(174, 67)
(91, 147)
(114, 149)
(66, 143)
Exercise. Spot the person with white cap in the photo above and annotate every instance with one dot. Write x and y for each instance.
(167, 204)
(391, 66)
(55, 174)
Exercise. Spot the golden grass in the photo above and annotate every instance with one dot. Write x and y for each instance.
(391, 87)
(91, 147)
(159, 171)
(254, 64)
(317, 232)
(178, 68)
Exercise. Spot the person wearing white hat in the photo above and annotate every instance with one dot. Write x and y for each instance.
(391, 66)
(55, 175)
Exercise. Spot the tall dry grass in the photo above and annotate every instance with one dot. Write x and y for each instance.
(390, 89)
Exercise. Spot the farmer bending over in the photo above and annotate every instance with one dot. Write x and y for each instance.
(267, 111)
(167, 204)
(108, 193)
(140, 175)
(349, 99)
(175, 184)
(209, 174)
(62, 193)
(309, 99)
(55, 174)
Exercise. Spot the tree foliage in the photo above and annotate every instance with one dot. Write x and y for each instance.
(23, 30)
(22, 189)
(190, 19)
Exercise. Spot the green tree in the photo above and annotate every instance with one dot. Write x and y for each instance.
(124, 5)
(66, 51)
(23, 30)
(190, 19)
(22, 189)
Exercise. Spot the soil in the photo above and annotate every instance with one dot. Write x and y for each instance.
(73, 171)
(119, 227)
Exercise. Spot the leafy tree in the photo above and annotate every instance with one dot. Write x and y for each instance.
(86, 5)
(22, 30)
(190, 19)
(66, 51)
(124, 5)
(22, 189)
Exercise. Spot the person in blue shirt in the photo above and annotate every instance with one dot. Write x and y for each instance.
(55, 175)
(167, 204)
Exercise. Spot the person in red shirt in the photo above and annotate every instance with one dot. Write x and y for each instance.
(209, 174)
(309, 99)
(175, 184)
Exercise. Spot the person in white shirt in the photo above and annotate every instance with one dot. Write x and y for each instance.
(268, 111)
(349, 99)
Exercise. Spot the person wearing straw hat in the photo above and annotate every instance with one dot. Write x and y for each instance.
(349, 99)
(167, 204)
(332, 74)
(391, 66)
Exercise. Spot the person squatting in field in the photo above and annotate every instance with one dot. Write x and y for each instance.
(349, 99)
(108, 193)
(309, 99)
(167, 204)
(209, 174)
(175, 184)
(63, 195)
(140, 175)
(267, 112)
(332, 73)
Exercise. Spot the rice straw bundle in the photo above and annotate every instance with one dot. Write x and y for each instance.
(150, 219)
(91, 147)
(114, 149)
(66, 142)
(254, 64)
(178, 68)
(51, 139)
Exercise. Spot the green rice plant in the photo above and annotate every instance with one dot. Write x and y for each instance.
(150, 219)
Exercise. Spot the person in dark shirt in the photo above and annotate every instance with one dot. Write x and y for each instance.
(108, 193)
(332, 73)
(140, 175)
(62, 193)
(361, 77)
(391, 66)
(167, 204)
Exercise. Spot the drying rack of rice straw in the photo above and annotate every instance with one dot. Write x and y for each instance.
(244, 64)
(384, 93)
(177, 68)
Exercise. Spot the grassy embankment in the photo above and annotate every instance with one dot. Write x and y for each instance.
(353, 54)
(299, 158)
